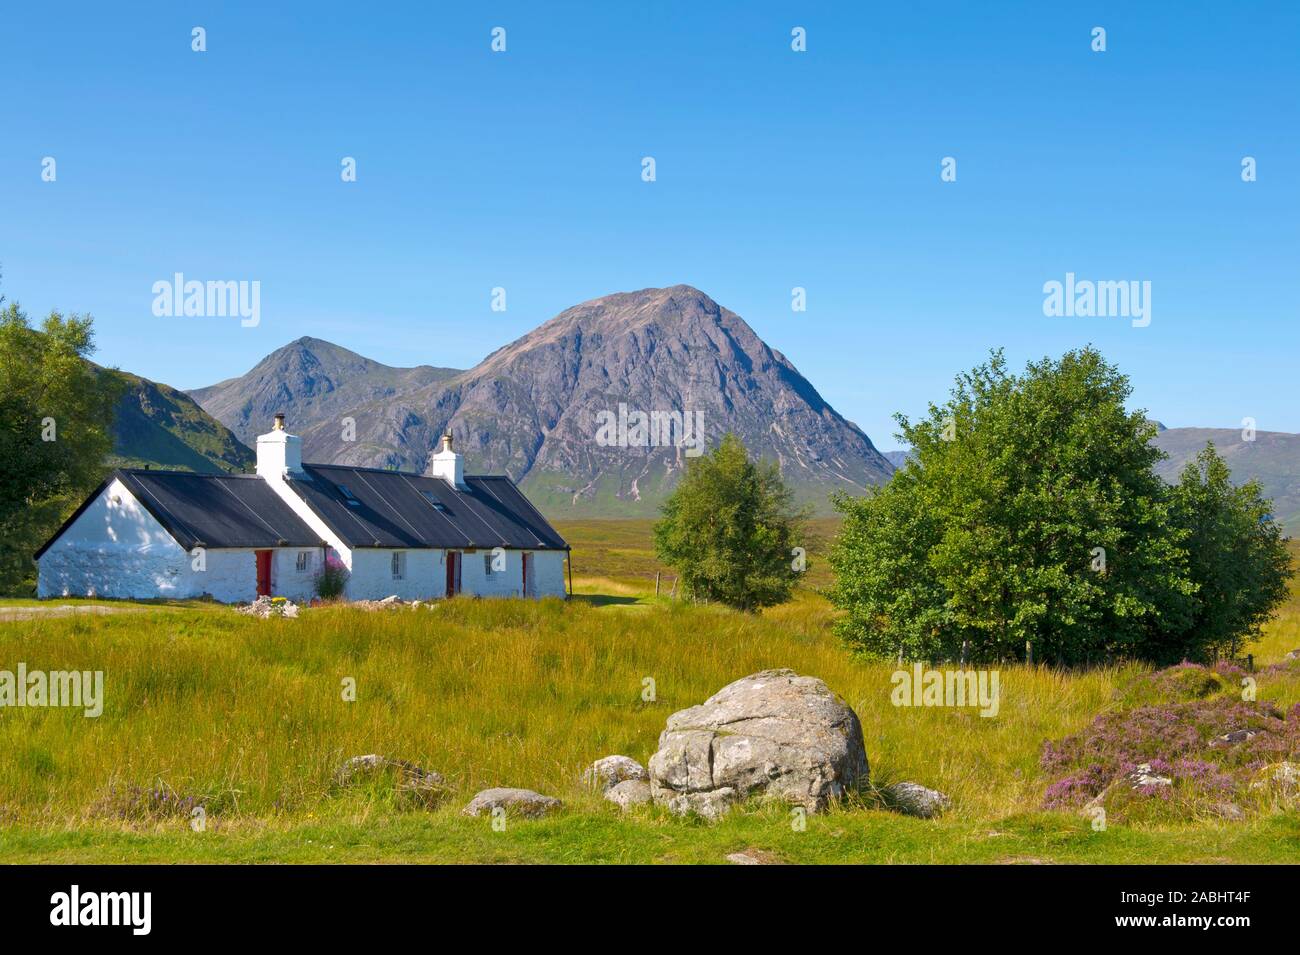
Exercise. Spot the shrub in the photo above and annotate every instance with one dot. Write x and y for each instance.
(332, 579)
(1031, 514)
(729, 529)
(1236, 556)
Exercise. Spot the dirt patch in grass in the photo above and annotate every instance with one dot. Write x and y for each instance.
(61, 610)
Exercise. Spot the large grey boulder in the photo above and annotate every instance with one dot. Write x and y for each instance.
(515, 802)
(606, 773)
(774, 733)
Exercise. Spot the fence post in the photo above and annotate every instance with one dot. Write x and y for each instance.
(965, 651)
(656, 583)
(1029, 653)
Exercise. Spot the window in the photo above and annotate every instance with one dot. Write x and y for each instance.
(349, 496)
(304, 561)
(437, 504)
(487, 564)
(399, 564)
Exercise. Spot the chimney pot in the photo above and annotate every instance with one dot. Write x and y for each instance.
(278, 451)
(447, 464)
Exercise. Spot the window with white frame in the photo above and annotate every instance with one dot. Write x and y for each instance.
(399, 564)
(304, 561)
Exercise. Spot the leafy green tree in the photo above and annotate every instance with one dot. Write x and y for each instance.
(1030, 515)
(730, 530)
(1236, 556)
(55, 421)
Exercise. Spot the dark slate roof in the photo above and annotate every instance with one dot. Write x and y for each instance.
(211, 510)
(399, 509)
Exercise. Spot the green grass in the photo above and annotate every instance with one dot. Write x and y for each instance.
(247, 716)
(596, 834)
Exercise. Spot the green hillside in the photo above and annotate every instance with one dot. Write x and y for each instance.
(160, 426)
(1273, 458)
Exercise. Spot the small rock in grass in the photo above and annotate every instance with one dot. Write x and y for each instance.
(265, 607)
(1283, 778)
(740, 858)
(1142, 776)
(1230, 811)
(608, 772)
(424, 784)
(521, 802)
(913, 799)
(1236, 736)
(629, 793)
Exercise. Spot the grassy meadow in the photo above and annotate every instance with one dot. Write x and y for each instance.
(246, 717)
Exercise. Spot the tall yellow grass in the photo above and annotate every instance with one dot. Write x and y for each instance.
(249, 715)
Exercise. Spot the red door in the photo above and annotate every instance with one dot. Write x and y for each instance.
(263, 573)
(453, 573)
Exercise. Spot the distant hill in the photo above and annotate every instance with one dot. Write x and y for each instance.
(897, 458)
(314, 382)
(161, 426)
(533, 409)
(1273, 458)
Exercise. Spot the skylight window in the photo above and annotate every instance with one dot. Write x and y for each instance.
(349, 496)
(437, 504)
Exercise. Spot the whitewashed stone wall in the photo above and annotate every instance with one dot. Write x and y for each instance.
(426, 575)
(117, 549)
(372, 575)
(548, 571)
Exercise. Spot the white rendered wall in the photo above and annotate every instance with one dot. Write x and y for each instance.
(426, 575)
(544, 581)
(548, 572)
(286, 581)
(115, 548)
(372, 575)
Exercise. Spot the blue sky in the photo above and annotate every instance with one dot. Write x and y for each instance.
(775, 169)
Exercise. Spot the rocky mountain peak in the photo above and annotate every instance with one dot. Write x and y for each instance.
(596, 411)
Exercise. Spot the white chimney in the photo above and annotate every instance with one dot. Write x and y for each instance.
(278, 452)
(447, 464)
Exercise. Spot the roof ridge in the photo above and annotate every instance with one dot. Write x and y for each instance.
(179, 473)
(420, 474)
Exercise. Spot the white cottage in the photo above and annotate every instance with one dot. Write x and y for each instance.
(146, 533)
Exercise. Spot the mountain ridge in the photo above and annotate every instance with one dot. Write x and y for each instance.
(531, 407)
